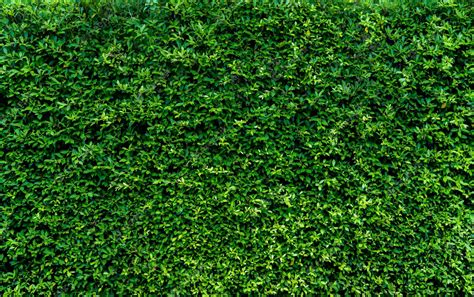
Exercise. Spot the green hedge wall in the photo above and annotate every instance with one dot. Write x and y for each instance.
(195, 148)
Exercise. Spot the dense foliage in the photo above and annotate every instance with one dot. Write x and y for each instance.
(220, 148)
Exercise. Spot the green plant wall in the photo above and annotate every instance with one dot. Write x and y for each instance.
(236, 148)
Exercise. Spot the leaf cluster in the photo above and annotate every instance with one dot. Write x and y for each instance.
(213, 148)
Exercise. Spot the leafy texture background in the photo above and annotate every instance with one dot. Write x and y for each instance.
(221, 148)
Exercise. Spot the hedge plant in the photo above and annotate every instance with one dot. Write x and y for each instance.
(198, 147)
